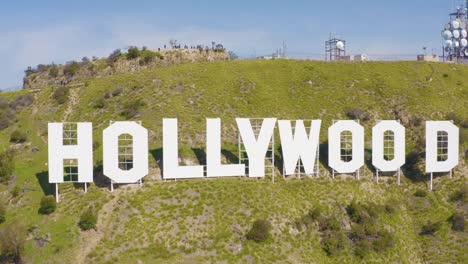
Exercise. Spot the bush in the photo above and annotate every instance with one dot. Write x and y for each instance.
(113, 57)
(133, 53)
(383, 241)
(22, 101)
(100, 103)
(54, 71)
(61, 95)
(2, 213)
(18, 137)
(329, 223)
(415, 121)
(460, 195)
(131, 108)
(48, 205)
(15, 191)
(260, 231)
(71, 68)
(13, 241)
(333, 242)
(458, 221)
(117, 91)
(7, 165)
(88, 220)
(420, 193)
(430, 228)
(356, 113)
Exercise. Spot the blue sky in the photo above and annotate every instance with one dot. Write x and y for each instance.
(33, 32)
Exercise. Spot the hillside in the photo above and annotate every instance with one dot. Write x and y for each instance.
(195, 221)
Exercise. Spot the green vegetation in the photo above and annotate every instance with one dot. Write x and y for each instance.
(61, 94)
(12, 244)
(88, 220)
(2, 213)
(260, 231)
(198, 221)
(7, 165)
(18, 137)
(48, 205)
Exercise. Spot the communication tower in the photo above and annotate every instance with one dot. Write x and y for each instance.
(455, 36)
(335, 49)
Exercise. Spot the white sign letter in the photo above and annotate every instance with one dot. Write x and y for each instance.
(110, 152)
(82, 152)
(300, 146)
(213, 153)
(171, 168)
(446, 144)
(334, 146)
(398, 145)
(256, 148)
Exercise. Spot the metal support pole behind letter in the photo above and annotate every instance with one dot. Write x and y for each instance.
(430, 187)
(56, 193)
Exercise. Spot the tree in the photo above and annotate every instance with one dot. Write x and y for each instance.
(133, 53)
(13, 240)
(48, 205)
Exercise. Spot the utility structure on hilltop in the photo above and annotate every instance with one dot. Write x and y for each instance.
(335, 49)
(455, 36)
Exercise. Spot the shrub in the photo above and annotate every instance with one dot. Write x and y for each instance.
(356, 113)
(71, 68)
(113, 57)
(383, 241)
(333, 242)
(329, 223)
(100, 103)
(48, 205)
(460, 195)
(420, 193)
(260, 231)
(133, 53)
(60, 95)
(2, 213)
(88, 220)
(13, 241)
(7, 165)
(15, 191)
(22, 101)
(18, 137)
(54, 71)
(117, 91)
(131, 108)
(458, 221)
(430, 228)
(415, 121)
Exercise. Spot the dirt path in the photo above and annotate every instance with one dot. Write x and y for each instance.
(73, 99)
(92, 237)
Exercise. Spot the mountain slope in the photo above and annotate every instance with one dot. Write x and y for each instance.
(207, 220)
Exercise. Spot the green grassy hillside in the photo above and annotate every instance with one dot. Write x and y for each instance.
(194, 221)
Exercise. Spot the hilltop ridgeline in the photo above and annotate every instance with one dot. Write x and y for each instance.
(76, 73)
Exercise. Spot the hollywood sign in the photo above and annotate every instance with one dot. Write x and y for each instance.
(297, 145)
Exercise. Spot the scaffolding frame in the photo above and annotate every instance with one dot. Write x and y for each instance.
(332, 53)
(299, 171)
(345, 155)
(256, 124)
(126, 162)
(389, 151)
